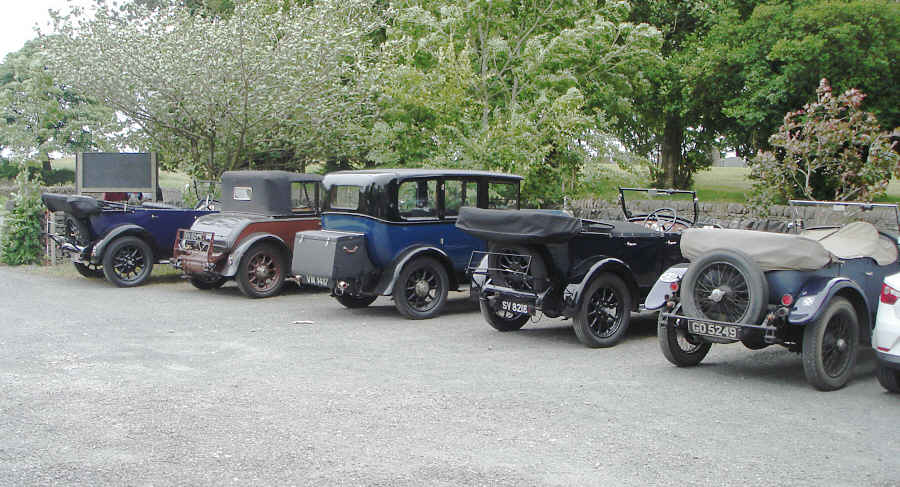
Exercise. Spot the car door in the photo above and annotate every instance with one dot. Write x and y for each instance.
(457, 192)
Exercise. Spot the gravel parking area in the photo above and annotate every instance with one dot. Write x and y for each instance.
(165, 384)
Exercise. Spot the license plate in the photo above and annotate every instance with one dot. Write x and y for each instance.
(317, 281)
(516, 307)
(713, 329)
(193, 236)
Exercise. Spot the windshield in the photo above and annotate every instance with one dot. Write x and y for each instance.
(811, 214)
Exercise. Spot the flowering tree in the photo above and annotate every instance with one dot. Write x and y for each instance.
(207, 90)
(831, 149)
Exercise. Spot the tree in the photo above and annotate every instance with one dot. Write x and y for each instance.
(830, 150)
(218, 89)
(753, 68)
(502, 85)
(40, 115)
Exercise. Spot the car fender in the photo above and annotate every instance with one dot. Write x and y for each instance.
(234, 257)
(574, 292)
(662, 287)
(815, 295)
(116, 232)
(408, 255)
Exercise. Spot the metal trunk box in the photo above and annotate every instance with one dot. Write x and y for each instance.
(325, 257)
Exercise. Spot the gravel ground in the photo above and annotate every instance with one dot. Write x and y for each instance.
(166, 384)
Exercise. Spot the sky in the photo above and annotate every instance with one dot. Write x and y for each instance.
(19, 17)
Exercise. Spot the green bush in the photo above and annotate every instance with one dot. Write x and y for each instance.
(9, 170)
(20, 242)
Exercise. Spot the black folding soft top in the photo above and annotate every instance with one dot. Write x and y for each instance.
(518, 225)
(77, 205)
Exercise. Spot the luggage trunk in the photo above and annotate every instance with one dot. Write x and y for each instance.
(335, 260)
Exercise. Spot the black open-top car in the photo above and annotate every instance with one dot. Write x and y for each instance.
(815, 292)
(596, 272)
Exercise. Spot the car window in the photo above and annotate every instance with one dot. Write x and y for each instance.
(344, 197)
(503, 196)
(417, 199)
(303, 197)
(459, 193)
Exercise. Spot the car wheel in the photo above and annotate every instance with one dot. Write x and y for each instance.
(90, 271)
(517, 267)
(725, 285)
(830, 346)
(421, 289)
(76, 231)
(127, 261)
(207, 281)
(605, 312)
(502, 320)
(888, 378)
(680, 348)
(261, 271)
(355, 302)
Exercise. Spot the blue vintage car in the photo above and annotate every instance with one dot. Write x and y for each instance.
(391, 232)
(815, 292)
(117, 240)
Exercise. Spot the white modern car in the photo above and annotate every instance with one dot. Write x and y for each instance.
(886, 337)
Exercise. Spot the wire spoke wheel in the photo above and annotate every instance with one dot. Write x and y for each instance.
(721, 292)
(835, 346)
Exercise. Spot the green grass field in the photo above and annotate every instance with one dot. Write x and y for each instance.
(731, 184)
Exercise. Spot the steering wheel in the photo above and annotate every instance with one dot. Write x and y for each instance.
(657, 215)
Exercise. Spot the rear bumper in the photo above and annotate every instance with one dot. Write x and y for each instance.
(191, 262)
(767, 328)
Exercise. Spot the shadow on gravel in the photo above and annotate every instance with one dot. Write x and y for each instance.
(384, 307)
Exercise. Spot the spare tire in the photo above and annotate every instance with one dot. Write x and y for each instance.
(515, 258)
(725, 285)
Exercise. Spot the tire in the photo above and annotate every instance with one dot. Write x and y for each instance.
(507, 321)
(830, 346)
(421, 289)
(742, 290)
(76, 231)
(537, 269)
(90, 271)
(261, 271)
(127, 261)
(206, 282)
(888, 378)
(678, 347)
(355, 302)
(605, 312)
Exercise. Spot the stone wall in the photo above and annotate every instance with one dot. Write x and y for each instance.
(736, 215)
(170, 196)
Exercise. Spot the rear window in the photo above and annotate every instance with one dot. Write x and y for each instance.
(503, 196)
(418, 199)
(345, 197)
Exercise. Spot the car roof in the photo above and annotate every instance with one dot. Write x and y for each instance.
(274, 175)
(423, 172)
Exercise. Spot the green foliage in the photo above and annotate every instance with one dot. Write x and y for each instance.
(830, 150)
(8, 170)
(20, 237)
(752, 69)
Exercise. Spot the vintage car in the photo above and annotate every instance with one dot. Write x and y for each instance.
(594, 271)
(663, 218)
(886, 335)
(814, 292)
(251, 240)
(117, 240)
(391, 232)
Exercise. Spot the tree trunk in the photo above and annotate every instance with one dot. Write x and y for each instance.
(46, 164)
(670, 158)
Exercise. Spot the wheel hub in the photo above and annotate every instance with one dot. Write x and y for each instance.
(422, 288)
(262, 272)
(716, 295)
(841, 344)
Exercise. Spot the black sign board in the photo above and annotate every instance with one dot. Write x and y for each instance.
(98, 172)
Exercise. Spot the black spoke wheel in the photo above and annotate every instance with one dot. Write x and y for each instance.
(355, 302)
(76, 231)
(90, 271)
(127, 261)
(725, 285)
(830, 346)
(605, 312)
(261, 271)
(421, 289)
(679, 347)
(888, 378)
(208, 281)
(502, 320)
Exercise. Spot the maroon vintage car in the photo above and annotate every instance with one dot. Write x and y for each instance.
(251, 240)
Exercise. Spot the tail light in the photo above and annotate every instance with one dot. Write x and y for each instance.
(673, 286)
(787, 300)
(889, 295)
